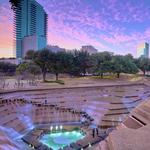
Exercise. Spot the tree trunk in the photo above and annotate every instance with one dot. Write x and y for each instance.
(44, 76)
(144, 72)
(118, 75)
(84, 72)
(56, 76)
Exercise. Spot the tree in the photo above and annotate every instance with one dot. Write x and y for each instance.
(7, 68)
(3, 83)
(27, 71)
(60, 63)
(30, 55)
(41, 58)
(129, 56)
(123, 64)
(80, 62)
(48, 61)
(22, 69)
(14, 4)
(28, 68)
(34, 69)
(143, 64)
(84, 61)
(101, 63)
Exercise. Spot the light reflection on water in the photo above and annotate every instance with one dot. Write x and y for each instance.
(61, 139)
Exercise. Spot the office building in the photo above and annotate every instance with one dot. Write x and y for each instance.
(30, 27)
(89, 48)
(143, 50)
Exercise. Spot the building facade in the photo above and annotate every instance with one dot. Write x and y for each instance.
(89, 48)
(30, 27)
(143, 50)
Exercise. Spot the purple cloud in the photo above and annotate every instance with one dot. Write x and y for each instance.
(115, 25)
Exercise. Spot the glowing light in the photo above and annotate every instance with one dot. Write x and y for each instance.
(59, 134)
(90, 145)
(56, 127)
(70, 136)
(78, 134)
(51, 128)
(61, 127)
(67, 133)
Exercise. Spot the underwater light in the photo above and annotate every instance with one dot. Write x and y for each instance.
(61, 127)
(51, 128)
(90, 145)
(67, 133)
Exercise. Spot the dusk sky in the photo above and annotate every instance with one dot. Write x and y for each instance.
(109, 25)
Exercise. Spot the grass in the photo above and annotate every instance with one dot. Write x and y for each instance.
(56, 81)
(105, 77)
(60, 81)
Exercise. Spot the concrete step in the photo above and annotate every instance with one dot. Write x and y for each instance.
(104, 145)
(130, 122)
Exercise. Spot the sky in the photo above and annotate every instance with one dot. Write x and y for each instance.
(109, 25)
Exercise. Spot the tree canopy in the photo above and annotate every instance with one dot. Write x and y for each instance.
(101, 63)
(143, 64)
(123, 64)
(78, 63)
(74, 63)
(7, 68)
(14, 4)
(28, 68)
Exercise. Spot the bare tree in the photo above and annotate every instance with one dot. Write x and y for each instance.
(3, 81)
(19, 82)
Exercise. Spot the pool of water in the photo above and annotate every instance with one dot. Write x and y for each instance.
(61, 139)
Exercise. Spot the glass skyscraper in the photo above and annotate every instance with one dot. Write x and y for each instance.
(30, 27)
(143, 50)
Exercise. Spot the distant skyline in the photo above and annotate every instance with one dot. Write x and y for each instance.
(109, 25)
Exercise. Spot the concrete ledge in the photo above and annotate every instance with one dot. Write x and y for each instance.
(129, 139)
(69, 87)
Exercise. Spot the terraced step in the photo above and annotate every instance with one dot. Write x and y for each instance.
(105, 125)
(104, 145)
(127, 102)
(132, 123)
(123, 108)
(117, 112)
(115, 117)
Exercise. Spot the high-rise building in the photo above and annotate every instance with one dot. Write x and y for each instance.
(143, 50)
(30, 27)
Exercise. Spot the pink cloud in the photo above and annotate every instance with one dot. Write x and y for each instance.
(6, 32)
(75, 23)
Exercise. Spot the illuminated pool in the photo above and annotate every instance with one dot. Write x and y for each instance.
(61, 139)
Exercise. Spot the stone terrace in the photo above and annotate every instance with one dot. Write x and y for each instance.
(109, 106)
(132, 134)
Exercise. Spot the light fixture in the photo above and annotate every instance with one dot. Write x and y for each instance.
(90, 145)
(51, 128)
(61, 127)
